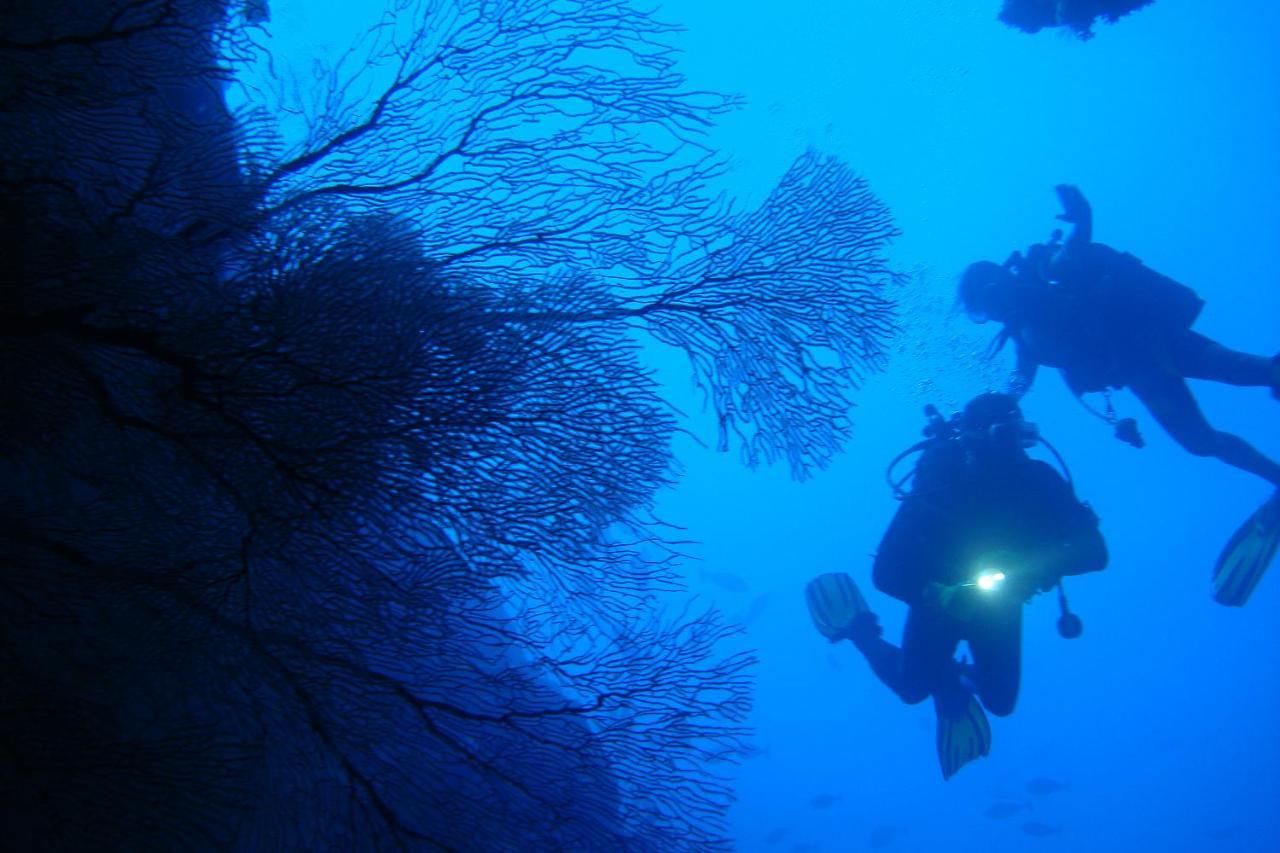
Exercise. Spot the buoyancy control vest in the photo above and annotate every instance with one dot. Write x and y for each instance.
(1119, 307)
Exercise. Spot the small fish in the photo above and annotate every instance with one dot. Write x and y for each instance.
(1040, 830)
(755, 608)
(776, 835)
(1000, 811)
(726, 581)
(1042, 785)
(824, 801)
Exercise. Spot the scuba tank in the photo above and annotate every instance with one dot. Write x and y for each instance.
(938, 431)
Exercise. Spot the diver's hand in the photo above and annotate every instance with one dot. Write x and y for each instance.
(956, 600)
(1075, 209)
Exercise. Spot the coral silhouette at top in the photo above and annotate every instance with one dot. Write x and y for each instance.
(1076, 16)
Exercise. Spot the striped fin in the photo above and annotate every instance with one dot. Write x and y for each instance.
(1247, 555)
(834, 600)
(963, 735)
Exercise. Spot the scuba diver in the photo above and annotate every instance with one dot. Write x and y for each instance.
(1078, 16)
(1106, 320)
(983, 528)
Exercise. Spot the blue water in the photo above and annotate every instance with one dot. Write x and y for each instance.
(1159, 717)
(1160, 720)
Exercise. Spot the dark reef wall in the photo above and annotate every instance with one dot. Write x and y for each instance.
(316, 456)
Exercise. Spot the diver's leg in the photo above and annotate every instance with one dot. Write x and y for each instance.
(1169, 400)
(996, 643)
(913, 670)
(1198, 357)
(929, 641)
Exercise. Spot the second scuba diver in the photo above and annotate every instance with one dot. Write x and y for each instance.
(1106, 320)
(983, 528)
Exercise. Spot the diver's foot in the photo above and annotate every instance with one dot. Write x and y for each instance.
(1247, 555)
(864, 629)
(1275, 377)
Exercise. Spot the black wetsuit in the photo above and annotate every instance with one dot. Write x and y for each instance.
(1018, 515)
(1109, 321)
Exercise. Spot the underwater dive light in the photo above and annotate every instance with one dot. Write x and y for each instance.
(989, 580)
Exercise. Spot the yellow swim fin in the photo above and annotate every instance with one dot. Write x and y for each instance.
(963, 732)
(834, 601)
(1247, 555)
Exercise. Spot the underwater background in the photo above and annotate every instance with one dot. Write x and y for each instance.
(320, 720)
(1158, 720)
(1158, 723)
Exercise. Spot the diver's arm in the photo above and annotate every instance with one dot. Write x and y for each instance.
(1073, 539)
(1085, 551)
(969, 602)
(1024, 372)
(954, 599)
(903, 563)
(1079, 553)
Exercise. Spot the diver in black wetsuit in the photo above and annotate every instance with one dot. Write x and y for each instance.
(1108, 321)
(983, 528)
(1078, 16)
